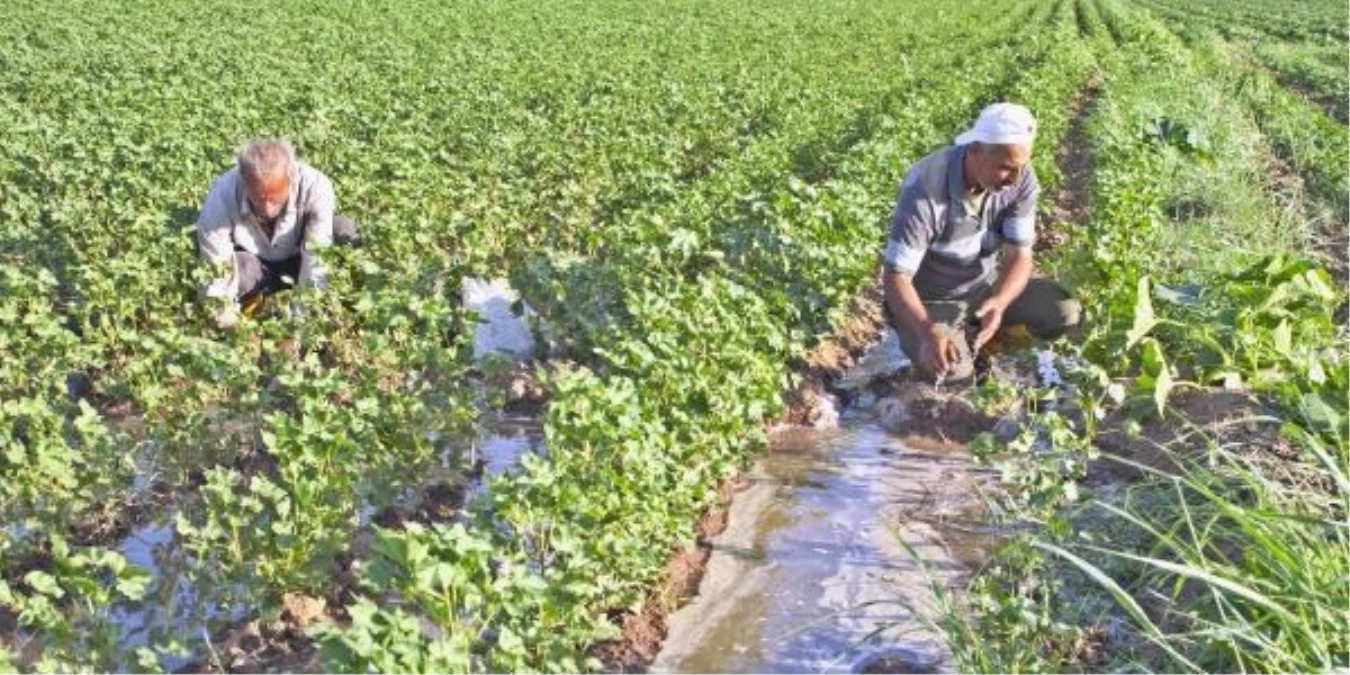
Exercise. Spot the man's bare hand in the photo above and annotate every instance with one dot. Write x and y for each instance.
(227, 317)
(991, 318)
(936, 351)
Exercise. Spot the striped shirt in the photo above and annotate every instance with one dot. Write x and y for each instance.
(934, 239)
(227, 223)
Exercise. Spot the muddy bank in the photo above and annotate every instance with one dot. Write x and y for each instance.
(814, 401)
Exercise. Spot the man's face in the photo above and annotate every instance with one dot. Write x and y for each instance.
(998, 166)
(267, 196)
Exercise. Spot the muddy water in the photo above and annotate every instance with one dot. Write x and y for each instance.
(505, 441)
(176, 609)
(812, 573)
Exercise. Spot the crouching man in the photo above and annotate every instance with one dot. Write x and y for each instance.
(958, 208)
(263, 227)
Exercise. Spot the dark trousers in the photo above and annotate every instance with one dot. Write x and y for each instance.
(258, 276)
(1044, 308)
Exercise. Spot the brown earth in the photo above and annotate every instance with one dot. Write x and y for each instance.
(520, 388)
(827, 360)
(930, 417)
(253, 647)
(1071, 201)
(1195, 419)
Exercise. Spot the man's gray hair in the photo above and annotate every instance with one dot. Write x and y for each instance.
(265, 158)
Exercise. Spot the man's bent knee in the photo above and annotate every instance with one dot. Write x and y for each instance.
(1046, 309)
(1071, 313)
(1062, 316)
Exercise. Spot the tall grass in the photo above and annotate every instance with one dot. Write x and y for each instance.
(1229, 551)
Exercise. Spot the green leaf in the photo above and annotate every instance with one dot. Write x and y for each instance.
(44, 583)
(1144, 319)
(1284, 339)
(509, 642)
(1156, 381)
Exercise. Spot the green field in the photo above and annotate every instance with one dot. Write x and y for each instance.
(691, 194)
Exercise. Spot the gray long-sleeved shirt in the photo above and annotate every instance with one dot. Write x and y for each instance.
(227, 222)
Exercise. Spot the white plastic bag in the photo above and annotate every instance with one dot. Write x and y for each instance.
(500, 330)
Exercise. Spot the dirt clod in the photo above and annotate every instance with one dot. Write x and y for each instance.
(302, 610)
(249, 643)
(810, 403)
(917, 410)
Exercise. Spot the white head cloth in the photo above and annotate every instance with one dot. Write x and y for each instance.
(1001, 124)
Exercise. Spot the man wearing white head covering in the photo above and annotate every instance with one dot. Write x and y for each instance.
(958, 208)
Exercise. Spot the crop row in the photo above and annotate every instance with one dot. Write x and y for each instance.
(1315, 20)
(715, 296)
(1181, 291)
(521, 147)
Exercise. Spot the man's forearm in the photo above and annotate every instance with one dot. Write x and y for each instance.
(216, 247)
(904, 302)
(1012, 280)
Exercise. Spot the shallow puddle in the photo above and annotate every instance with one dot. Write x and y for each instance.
(176, 609)
(504, 441)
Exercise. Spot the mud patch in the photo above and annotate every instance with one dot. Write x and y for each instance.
(115, 521)
(812, 403)
(896, 661)
(1196, 419)
(252, 647)
(809, 404)
(519, 388)
(840, 350)
(930, 417)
